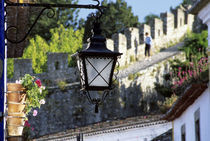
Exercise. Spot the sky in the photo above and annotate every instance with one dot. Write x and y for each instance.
(140, 8)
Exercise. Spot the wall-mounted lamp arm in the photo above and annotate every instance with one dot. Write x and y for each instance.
(45, 7)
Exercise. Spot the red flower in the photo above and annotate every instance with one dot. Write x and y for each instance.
(27, 124)
(38, 82)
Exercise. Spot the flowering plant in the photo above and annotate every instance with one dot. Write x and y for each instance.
(196, 72)
(35, 93)
(27, 130)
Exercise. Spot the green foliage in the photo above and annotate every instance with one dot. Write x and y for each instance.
(176, 64)
(62, 41)
(187, 2)
(116, 17)
(195, 45)
(133, 76)
(10, 67)
(67, 17)
(167, 77)
(37, 51)
(132, 59)
(165, 91)
(62, 85)
(166, 105)
(26, 133)
(149, 18)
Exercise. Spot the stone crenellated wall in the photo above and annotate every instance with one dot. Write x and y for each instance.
(168, 30)
(57, 70)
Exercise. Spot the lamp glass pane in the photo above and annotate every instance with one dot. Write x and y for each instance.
(98, 71)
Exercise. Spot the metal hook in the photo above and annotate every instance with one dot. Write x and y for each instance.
(99, 9)
(97, 1)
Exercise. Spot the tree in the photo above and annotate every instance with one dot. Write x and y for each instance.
(148, 18)
(67, 17)
(62, 40)
(116, 17)
(188, 2)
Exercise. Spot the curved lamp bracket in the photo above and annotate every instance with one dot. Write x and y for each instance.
(45, 7)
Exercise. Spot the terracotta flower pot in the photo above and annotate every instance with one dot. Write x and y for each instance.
(15, 130)
(16, 93)
(16, 138)
(16, 103)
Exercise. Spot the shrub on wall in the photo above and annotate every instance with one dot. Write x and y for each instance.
(195, 45)
(62, 41)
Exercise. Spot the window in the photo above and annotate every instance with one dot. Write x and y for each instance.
(158, 32)
(80, 137)
(183, 133)
(197, 125)
(57, 66)
(180, 21)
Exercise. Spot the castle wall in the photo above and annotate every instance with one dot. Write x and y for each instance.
(57, 69)
(142, 31)
(156, 28)
(168, 23)
(22, 67)
(120, 45)
(68, 108)
(179, 17)
(167, 31)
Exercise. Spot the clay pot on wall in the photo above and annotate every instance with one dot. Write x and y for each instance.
(15, 138)
(16, 97)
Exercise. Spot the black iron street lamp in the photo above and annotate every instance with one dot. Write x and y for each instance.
(96, 65)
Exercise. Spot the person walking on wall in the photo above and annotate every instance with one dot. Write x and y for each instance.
(148, 43)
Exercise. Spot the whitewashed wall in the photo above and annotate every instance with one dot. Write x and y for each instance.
(187, 118)
(135, 134)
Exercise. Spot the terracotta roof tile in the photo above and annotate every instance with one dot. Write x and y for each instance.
(108, 127)
(198, 6)
(184, 101)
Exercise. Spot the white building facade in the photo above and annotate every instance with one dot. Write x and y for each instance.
(186, 126)
(146, 133)
(190, 114)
